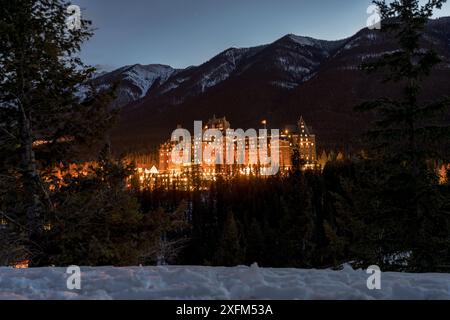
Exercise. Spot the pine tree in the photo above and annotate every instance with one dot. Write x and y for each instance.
(255, 243)
(297, 223)
(41, 118)
(405, 129)
(97, 221)
(403, 196)
(230, 252)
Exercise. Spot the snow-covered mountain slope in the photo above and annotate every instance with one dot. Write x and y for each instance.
(372, 44)
(205, 283)
(293, 59)
(135, 81)
(194, 81)
(285, 63)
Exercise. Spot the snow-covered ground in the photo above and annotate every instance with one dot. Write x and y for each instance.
(218, 283)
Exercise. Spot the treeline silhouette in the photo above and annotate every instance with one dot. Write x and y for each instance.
(304, 219)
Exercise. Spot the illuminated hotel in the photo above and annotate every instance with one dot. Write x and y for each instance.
(297, 137)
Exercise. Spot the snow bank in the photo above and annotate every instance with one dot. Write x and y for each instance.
(218, 283)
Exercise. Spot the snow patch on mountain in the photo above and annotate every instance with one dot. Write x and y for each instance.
(216, 76)
(81, 92)
(367, 56)
(305, 41)
(285, 84)
(372, 36)
(143, 77)
(232, 57)
(290, 67)
(353, 44)
(359, 40)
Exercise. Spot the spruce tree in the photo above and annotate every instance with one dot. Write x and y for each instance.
(408, 218)
(42, 119)
(230, 252)
(97, 221)
(255, 243)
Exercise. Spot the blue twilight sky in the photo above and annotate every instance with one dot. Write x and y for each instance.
(181, 33)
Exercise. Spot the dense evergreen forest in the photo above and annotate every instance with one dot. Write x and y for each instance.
(306, 219)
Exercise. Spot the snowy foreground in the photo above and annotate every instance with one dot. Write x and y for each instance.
(218, 283)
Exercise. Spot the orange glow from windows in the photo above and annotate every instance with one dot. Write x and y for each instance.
(22, 264)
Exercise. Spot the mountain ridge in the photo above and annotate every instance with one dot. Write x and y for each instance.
(280, 81)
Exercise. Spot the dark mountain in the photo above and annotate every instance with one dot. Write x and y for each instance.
(327, 101)
(279, 82)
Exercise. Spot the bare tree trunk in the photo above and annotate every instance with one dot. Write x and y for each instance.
(30, 180)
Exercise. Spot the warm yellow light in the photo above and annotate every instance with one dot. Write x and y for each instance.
(22, 265)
